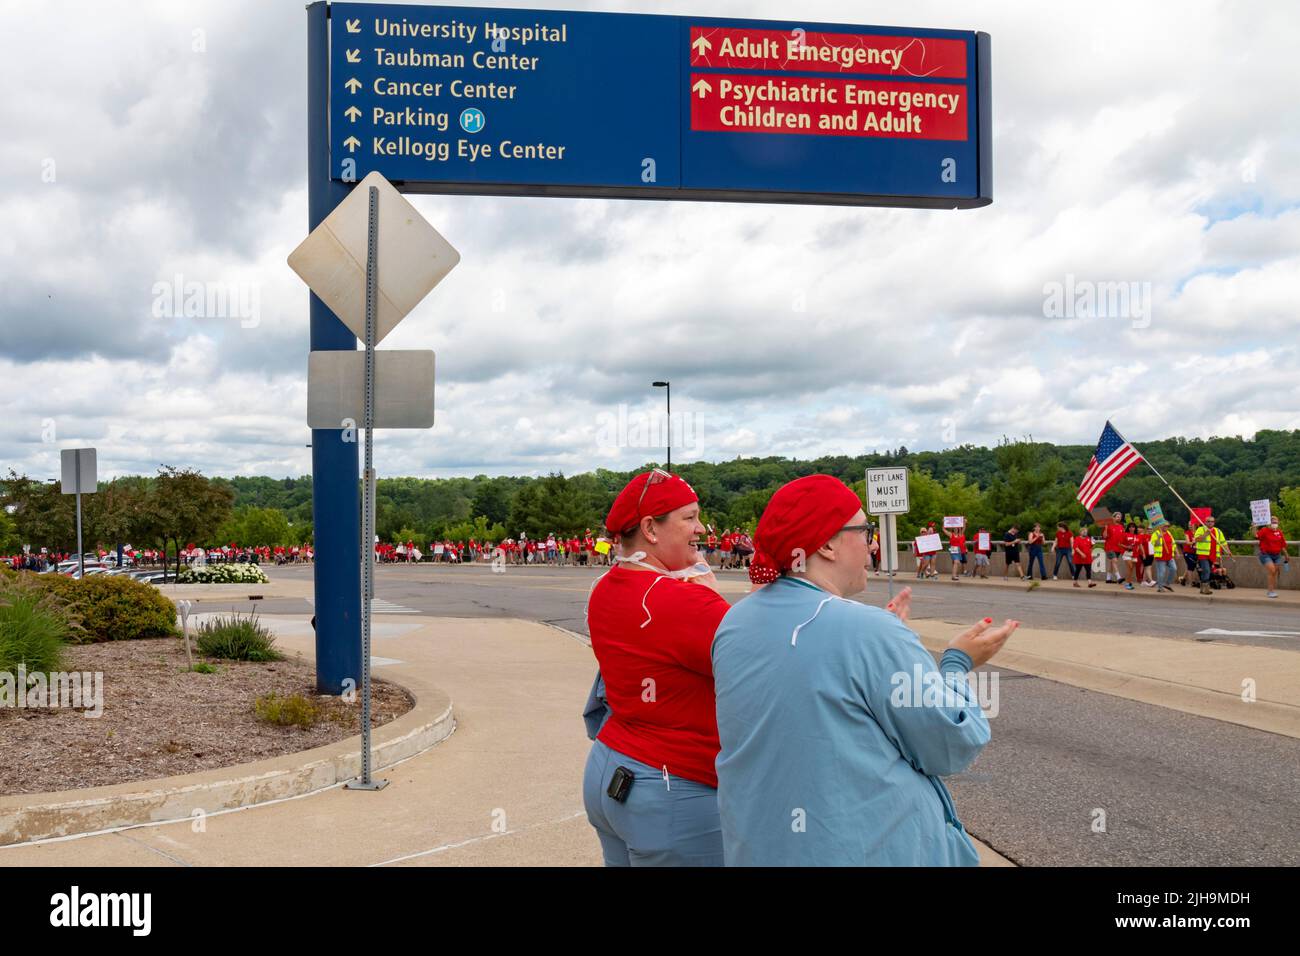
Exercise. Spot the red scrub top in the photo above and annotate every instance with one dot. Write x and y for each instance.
(658, 678)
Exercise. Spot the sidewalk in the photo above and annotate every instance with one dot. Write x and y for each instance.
(1244, 596)
(503, 790)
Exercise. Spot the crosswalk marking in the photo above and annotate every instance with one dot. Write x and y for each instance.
(380, 606)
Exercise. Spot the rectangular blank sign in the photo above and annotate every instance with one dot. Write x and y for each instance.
(336, 389)
(78, 470)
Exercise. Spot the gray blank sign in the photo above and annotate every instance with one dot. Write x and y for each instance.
(336, 389)
(70, 459)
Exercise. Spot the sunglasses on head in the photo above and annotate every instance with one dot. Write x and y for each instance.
(653, 478)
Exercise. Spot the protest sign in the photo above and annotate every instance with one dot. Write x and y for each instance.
(927, 543)
(1260, 512)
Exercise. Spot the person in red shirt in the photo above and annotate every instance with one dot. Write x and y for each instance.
(1272, 552)
(1064, 544)
(1082, 555)
(650, 788)
(1145, 573)
(1163, 558)
(982, 551)
(957, 548)
(724, 546)
(1115, 548)
(1133, 553)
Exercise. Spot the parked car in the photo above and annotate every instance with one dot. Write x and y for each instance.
(76, 573)
(155, 577)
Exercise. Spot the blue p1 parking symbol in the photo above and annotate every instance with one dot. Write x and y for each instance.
(472, 120)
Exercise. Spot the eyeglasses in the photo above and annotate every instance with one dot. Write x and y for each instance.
(656, 475)
(857, 527)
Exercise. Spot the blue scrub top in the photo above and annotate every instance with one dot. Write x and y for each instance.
(826, 759)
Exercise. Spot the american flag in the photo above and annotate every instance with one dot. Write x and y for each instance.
(1113, 459)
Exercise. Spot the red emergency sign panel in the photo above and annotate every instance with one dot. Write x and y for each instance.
(827, 106)
(803, 52)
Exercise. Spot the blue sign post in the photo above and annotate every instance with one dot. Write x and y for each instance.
(336, 489)
(463, 100)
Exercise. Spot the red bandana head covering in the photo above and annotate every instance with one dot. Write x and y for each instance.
(649, 494)
(801, 517)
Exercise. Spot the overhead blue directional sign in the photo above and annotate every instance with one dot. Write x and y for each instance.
(548, 103)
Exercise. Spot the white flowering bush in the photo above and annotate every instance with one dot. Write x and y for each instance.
(222, 574)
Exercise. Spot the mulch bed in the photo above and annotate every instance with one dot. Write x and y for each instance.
(160, 720)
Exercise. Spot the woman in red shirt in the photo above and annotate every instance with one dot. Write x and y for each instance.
(1082, 554)
(1064, 543)
(650, 789)
(1272, 552)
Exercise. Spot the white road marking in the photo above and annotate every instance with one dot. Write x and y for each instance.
(1223, 633)
(380, 606)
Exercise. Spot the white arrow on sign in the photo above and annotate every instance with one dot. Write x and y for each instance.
(413, 258)
(353, 85)
(702, 45)
(352, 113)
(1222, 633)
(354, 26)
(701, 86)
(352, 143)
(354, 56)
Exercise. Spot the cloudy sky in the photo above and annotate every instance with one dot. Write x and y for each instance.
(1155, 144)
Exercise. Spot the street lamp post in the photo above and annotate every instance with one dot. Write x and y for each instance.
(668, 388)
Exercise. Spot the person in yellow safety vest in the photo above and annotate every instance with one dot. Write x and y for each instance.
(1164, 554)
(1210, 543)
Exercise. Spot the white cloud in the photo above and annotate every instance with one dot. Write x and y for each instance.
(1130, 146)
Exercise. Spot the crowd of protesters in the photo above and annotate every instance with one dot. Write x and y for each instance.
(46, 560)
(1131, 553)
(586, 550)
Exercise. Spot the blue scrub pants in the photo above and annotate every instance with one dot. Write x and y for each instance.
(1036, 554)
(1205, 566)
(659, 824)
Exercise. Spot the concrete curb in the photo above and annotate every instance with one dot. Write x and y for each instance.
(28, 817)
(226, 592)
(1270, 716)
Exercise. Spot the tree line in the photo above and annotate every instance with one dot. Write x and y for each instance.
(1020, 481)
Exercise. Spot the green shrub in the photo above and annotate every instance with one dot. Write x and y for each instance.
(33, 628)
(237, 638)
(292, 711)
(112, 607)
(203, 667)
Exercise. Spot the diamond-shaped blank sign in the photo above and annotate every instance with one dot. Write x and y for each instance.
(413, 258)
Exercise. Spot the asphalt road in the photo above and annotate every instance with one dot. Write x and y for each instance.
(558, 595)
(1175, 789)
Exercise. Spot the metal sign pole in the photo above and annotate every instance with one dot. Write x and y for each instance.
(892, 556)
(368, 494)
(81, 552)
